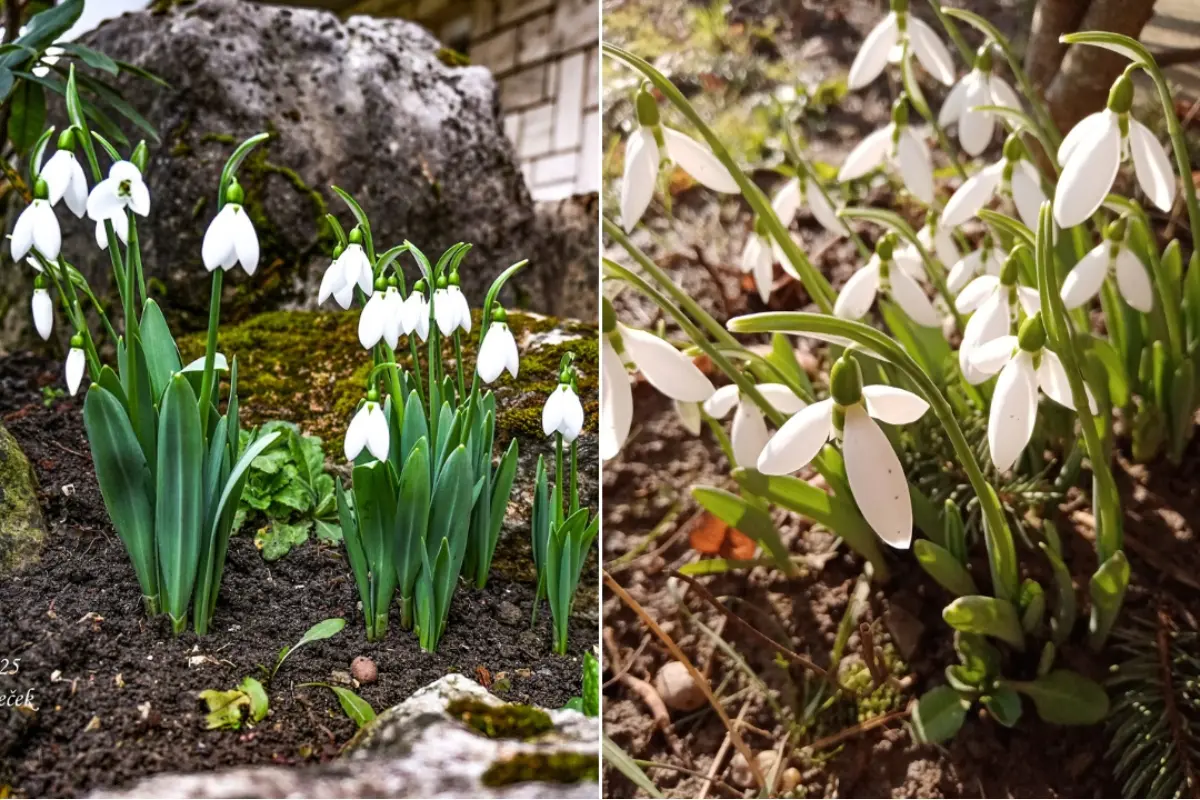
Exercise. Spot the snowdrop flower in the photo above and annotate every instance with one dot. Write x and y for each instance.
(987, 260)
(498, 351)
(1092, 153)
(1025, 366)
(748, 433)
(37, 227)
(230, 237)
(758, 259)
(120, 225)
(64, 176)
(937, 238)
(415, 316)
(994, 301)
(374, 320)
(896, 146)
(643, 156)
(801, 191)
(665, 368)
(75, 364)
(874, 472)
(880, 276)
(458, 303)
(393, 313)
(368, 429)
(122, 189)
(1013, 177)
(350, 268)
(563, 413)
(886, 44)
(43, 308)
(1111, 257)
(978, 88)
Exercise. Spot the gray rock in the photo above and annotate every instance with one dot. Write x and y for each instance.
(365, 104)
(415, 749)
(21, 528)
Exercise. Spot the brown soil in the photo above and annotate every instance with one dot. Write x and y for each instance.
(116, 693)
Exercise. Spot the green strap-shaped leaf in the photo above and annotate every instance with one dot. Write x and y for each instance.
(140, 398)
(539, 528)
(179, 503)
(415, 428)
(356, 555)
(506, 473)
(412, 518)
(27, 116)
(375, 502)
(162, 356)
(125, 481)
(232, 411)
(944, 568)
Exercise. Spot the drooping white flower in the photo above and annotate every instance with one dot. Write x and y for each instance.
(758, 259)
(393, 315)
(458, 302)
(749, 434)
(415, 312)
(666, 369)
(881, 275)
(373, 320)
(43, 311)
(938, 240)
(230, 239)
(873, 469)
(563, 413)
(75, 364)
(1111, 257)
(987, 260)
(498, 351)
(887, 40)
(37, 228)
(120, 227)
(1013, 177)
(1091, 154)
(122, 189)
(65, 180)
(689, 416)
(994, 302)
(979, 87)
(349, 269)
(897, 147)
(644, 156)
(1025, 366)
(369, 429)
(803, 191)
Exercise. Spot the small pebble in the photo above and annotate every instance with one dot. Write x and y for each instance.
(363, 669)
(739, 772)
(677, 688)
(789, 780)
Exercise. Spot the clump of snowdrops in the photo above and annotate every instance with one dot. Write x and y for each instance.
(1000, 330)
(170, 465)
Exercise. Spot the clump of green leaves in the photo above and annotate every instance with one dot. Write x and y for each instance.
(231, 709)
(289, 493)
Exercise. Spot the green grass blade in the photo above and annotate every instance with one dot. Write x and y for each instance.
(179, 503)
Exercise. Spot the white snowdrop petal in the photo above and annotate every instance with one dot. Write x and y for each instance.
(1029, 300)
(218, 241)
(975, 293)
(1013, 412)
(512, 358)
(872, 57)
(748, 435)
(43, 313)
(944, 247)
(331, 281)
(722, 401)
(990, 357)
(798, 441)
(915, 165)
(989, 322)
(572, 424)
(371, 322)
(786, 202)
(909, 261)
(22, 236)
(931, 51)
(552, 412)
(641, 173)
(57, 175)
(689, 416)
(1151, 165)
(1085, 130)
(876, 478)
(1002, 93)
(124, 171)
(668, 370)
(857, 296)
(698, 160)
(912, 299)
(102, 236)
(975, 193)
(1027, 196)
(955, 102)
(245, 240)
(1134, 281)
(894, 405)
(975, 128)
(1084, 280)
(781, 398)
(356, 434)
(378, 434)
(345, 295)
(616, 402)
(1087, 177)
(103, 202)
(74, 369)
(443, 312)
(47, 236)
(823, 212)
(489, 363)
(139, 198)
(781, 257)
(1052, 378)
(77, 190)
(867, 155)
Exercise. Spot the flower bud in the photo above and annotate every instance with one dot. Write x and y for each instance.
(1014, 148)
(1012, 266)
(499, 314)
(419, 286)
(234, 193)
(1115, 232)
(372, 395)
(647, 108)
(441, 282)
(41, 190)
(845, 381)
(454, 281)
(899, 6)
(77, 340)
(1120, 97)
(983, 58)
(356, 236)
(886, 246)
(391, 281)
(900, 110)
(1032, 335)
(380, 284)
(66, 139)
(40, 281)
(140, 156)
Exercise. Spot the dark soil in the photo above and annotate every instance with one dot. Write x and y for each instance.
(116, 693)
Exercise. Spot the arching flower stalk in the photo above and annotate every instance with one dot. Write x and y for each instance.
(1092, 153)
(883, 275)
(749, 434)
(987, 260)
(1111, 257)
(979, 87)
(644, 154)
(996, 302)
(1014, 178)
(887, 41)
(1025, 366)
(898, 148)
(499, 350)
(873, 469)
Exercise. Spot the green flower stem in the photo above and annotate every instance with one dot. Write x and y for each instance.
(135, 256)
(70, 304)
(764, 369)
(559, 478)
(574, 478)
(1109, 536)
(132, 324)
(965, 50)
(458, 364)
(1002, 555)
(814, 282)
(210, 347)
(415, 354)
(718, 432)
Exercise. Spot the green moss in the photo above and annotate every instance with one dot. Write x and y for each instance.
(453, 58)
(547, 767)
(507, 721)
(873, 702)
(21, 529)
(219, 138)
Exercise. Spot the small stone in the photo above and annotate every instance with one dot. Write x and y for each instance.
(766, 761)
(677, 687)
(508, 613)
(739, 772)
(789, 780)
(363, 669)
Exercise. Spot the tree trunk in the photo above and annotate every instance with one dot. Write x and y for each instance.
(1044, 53)
(1081, 83)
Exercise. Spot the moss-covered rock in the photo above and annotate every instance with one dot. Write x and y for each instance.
(21, 528)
